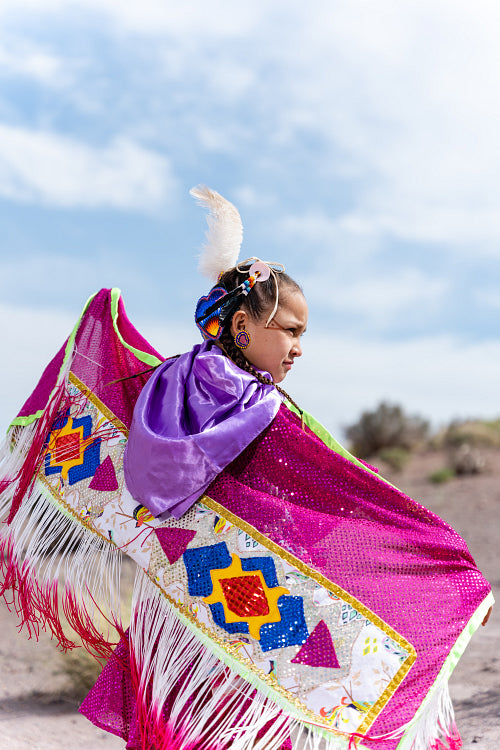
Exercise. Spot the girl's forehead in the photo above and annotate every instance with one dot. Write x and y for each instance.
(294, 304)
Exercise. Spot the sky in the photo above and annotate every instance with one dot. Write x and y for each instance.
(359, 141)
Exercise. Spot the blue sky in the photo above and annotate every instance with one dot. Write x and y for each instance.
(359, 141)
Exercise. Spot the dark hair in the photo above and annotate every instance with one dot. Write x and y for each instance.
(260, 300)
(263, 295)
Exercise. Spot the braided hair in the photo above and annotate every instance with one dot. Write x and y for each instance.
(256, 303)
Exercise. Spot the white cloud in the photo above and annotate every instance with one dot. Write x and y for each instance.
(152, 17)
(399, 98)
(23, 59)
(342, 275)
(29, 338)
(488, 297)
(405, 93)
(345, 236)
(66, 279)
(247, 196)
(49, 168)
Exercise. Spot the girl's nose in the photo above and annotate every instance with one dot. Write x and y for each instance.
(296, 349)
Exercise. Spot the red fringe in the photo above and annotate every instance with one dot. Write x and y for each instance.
(155, 732)
(159, 733)
(38, 606)
(453, 740)
(91, 637)
(35, 604)
(163, 736)
(25, 477)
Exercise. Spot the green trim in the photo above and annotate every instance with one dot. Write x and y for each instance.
(148, 359)
(24, 421)
(474, 622)
(451, 661)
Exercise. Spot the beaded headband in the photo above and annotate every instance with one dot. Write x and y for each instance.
(216, 308)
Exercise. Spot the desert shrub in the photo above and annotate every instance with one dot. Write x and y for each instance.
(395, 457)
(442, 475)
(388, 426)
(468, 460)
(480, 433)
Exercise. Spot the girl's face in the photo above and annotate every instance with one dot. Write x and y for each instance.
(274, 348)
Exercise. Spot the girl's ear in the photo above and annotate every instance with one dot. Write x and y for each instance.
(238, 322)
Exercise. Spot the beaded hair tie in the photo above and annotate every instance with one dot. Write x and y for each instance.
(216, 308)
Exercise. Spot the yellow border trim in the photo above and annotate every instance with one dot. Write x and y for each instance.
(98, 403)
(71, 511)
(338, 591)
(245, 666)
(283, 554)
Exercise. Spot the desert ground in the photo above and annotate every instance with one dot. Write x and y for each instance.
(38, 701)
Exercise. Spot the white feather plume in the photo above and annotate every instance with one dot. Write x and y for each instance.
(224, 234)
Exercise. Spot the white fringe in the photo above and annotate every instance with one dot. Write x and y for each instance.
(163, 648)
(432, 724)
(13, 451)
(54, 548)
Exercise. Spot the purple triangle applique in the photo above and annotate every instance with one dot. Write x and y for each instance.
(318, 650)
(174, 541)
(104, 478)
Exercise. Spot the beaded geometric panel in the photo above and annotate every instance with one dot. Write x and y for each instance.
(310, 643)
(72, 451)
(83, 463)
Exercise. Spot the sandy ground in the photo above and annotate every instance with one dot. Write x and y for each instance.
(38, 710)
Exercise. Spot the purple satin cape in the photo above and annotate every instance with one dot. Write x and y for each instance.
(193, 417)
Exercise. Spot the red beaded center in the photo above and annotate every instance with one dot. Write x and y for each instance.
(245, 596)
(67, 448)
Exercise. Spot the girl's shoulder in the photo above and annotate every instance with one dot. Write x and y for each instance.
(211, 365)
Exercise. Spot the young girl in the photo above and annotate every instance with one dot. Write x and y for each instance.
(200, 410)
(285, 593)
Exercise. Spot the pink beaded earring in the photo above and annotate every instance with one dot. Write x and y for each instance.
(242, 339)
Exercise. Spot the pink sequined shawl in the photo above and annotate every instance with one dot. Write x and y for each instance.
(304, 592)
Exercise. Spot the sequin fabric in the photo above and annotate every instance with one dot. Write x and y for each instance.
(275, 614)
(393, 555)
(112, 704)
(321, 582)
